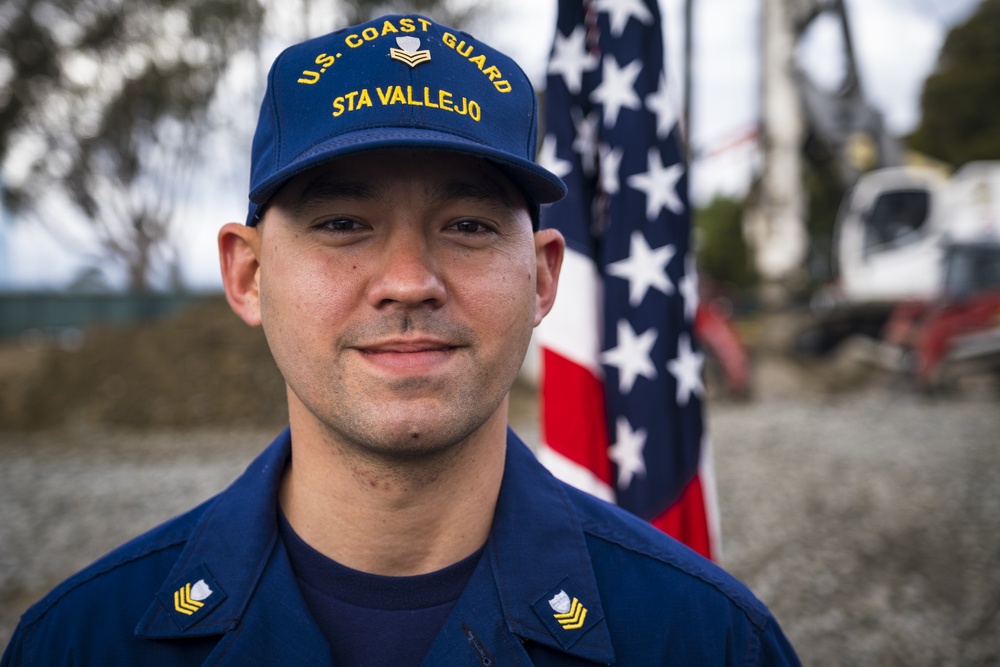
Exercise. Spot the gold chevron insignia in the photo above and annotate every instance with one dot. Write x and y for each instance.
(184, 603)
(574, 618)
(412, 59)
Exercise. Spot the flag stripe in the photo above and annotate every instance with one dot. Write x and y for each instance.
(694, 518)
(574, 474)
(576, 310)
(687, 519)
(583, 440)
(706, 471)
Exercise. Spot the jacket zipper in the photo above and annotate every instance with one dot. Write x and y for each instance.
(485, 659)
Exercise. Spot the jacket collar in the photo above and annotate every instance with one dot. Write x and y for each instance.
(536, 553)
(536, 568)
(541, 563)
(229, 549)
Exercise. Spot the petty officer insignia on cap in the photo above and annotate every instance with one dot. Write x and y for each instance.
(408, 51)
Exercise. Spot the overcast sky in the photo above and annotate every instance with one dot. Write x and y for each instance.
(896, 43)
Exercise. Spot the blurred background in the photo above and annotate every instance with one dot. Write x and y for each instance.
(845, 183)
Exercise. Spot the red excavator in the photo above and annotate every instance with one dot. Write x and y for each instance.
(937, 339)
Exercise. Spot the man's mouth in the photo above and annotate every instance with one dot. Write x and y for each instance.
(408, 354)
(407, 346)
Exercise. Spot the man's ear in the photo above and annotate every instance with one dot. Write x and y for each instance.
(239, 258)
(549, 249)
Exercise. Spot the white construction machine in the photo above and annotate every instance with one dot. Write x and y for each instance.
(896, 239)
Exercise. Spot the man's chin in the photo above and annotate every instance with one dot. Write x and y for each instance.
(431, 436)
(408, 448)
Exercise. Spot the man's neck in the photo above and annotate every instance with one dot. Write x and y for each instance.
(394, 518)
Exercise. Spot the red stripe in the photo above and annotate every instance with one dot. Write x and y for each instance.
(572, 414)
(687, 519)
(580, 434)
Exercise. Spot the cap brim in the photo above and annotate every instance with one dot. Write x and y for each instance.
(541, 185)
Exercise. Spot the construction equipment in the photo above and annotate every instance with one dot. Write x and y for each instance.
(917, 255)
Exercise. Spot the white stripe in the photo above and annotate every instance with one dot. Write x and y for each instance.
(572, 328)
(706, 471)
(574, 474)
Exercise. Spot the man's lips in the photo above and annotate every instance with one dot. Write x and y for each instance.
(407, 355)
(406, 346)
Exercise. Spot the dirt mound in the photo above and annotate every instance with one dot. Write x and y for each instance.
(202, 366)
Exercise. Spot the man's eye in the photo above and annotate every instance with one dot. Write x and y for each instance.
(471, 227)
(340, 225)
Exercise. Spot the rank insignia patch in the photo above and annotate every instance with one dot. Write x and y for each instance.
(566, 617)
(190, 599)
(409, 51)
(570, 615)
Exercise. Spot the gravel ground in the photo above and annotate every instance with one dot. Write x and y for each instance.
(869, 521)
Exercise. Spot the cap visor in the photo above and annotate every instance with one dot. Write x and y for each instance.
(538, 183)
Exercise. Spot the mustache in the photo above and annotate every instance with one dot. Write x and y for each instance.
(409, 324)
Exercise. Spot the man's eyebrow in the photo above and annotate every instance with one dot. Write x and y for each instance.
(483, 190)
(324, 189)
(327, 189)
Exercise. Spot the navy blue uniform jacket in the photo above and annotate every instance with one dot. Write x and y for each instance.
(565, 579)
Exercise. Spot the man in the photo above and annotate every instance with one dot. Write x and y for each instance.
(392, 257)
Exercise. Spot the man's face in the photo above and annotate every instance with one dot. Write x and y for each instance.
(397, 294)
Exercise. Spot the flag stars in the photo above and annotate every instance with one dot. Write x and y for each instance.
(620, 11)
(585, 142)
(631, 356)
(570, 58)
(661, 104)
(617, 125)
(617, 89)
(610, 163)
(548, 159)
(688, 288)
(627, 452)
(659, 184)
(686, 369)
(644, 268)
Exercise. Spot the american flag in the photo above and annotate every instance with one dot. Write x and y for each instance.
(621, 382)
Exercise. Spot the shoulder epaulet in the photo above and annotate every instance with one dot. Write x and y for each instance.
(614, 525)
(170, 535)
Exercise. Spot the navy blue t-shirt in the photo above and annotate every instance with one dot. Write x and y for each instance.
(372, 620)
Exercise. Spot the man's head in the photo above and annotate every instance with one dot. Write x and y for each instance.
(391, 258)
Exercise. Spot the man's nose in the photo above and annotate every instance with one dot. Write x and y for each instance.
(408, 274)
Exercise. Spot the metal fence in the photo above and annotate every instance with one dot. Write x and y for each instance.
(52, 313)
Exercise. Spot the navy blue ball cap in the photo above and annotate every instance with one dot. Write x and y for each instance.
(396, 82)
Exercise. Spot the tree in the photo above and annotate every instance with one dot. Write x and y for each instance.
(723, 254)
(104, 107)
(960, 99)
(357, 11)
